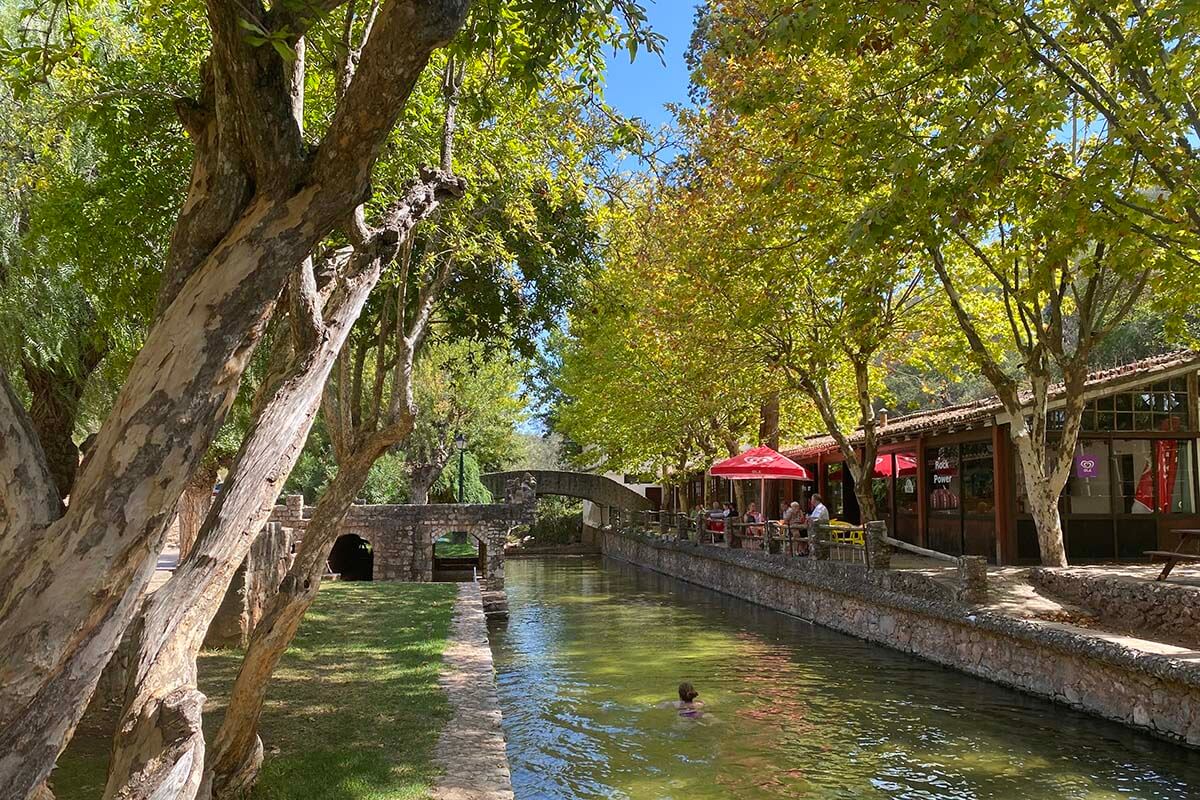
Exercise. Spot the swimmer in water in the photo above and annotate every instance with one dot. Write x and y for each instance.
(688, 705)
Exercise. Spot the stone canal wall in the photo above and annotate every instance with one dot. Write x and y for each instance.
(1091, 673)
(1130, 603)
(471, 750)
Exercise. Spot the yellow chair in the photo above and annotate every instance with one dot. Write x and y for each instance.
(845, 533)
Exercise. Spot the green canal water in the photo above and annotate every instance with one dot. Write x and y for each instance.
(592, 648)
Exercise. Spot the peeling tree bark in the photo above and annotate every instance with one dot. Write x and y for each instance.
(194, 504)
(70, 586)
(237, 751)
(158, 751)
(55, 391)
(28, 496)
(422, 478)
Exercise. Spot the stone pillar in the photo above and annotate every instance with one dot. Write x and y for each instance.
(295, 506)
(252, 587)
(972, 579)
(681, 521)
(819, 541)
(662, 525)
(495, 559)
(879, 553)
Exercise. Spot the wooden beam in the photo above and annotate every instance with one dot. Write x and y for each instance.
(1005, 533)
(922, 495)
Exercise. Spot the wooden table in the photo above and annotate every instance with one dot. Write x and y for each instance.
(1173, 557)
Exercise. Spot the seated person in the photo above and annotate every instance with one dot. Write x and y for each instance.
(716, 519)
(754, 516)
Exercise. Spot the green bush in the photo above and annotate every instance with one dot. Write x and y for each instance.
(559, 521)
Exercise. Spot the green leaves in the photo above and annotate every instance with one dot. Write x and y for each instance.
(279, 40)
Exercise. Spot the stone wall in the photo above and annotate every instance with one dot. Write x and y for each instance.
(1152, 692)
(402, 536)
(401, 539)
(252, 587)
(1135, 604)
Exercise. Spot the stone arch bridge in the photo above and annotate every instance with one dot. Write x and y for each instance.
(598, 489)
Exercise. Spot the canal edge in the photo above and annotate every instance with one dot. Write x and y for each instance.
(1154, 694)
(471, 751)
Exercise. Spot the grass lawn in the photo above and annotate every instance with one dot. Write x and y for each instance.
(445, 549)
(354, 709)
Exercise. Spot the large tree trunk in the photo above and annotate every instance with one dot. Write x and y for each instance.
(158, 750)
(67, 594)
(237, 756)
(237, 750)
(1043, 507)
(70, 587)
(197, 499)
(54, 394)
(421, 481)
(422, 476)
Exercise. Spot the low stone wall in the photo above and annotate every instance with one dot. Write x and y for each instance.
(1169, 610)
(470, 750)
(252, 587)
(1152, 692)
(401, 539)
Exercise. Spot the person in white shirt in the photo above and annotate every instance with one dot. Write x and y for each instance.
(819, 512)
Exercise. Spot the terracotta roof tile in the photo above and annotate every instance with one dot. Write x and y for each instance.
(984, 411)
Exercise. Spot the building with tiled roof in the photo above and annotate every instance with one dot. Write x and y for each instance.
(949, 478)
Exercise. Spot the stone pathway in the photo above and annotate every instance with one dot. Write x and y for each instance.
(471, 750)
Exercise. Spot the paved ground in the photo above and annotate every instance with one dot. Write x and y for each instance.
(167, 561)
(1009, 592)
(471, 748)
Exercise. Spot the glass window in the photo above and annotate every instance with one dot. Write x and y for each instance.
(945, 483)
(1174, 467)
(1089, 487)
(833, 477)
(1163, 406)
(1143, 411)
(881, 482)
(883, 499)
(978, 479)
(1132, 460)
(906, 482)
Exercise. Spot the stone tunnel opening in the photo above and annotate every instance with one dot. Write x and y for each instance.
(352, 559)
(458, 557)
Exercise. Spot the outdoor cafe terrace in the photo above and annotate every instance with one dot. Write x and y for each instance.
(948, 479)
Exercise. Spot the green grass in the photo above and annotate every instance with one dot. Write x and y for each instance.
(354, 709)
(443, 549)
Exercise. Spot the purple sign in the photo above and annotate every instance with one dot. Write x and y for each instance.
(1087, 466)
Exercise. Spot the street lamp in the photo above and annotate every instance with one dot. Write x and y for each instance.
(460, 442)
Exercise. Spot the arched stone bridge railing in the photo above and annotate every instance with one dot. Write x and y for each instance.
(601, 490)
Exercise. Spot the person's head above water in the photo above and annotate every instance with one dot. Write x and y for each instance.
(687, 693)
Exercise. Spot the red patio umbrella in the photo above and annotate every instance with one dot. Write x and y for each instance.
(760, 463)
(883, 465)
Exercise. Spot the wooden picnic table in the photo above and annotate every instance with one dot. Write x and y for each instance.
(1173, 557)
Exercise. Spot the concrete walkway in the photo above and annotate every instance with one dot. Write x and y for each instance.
(471, 749)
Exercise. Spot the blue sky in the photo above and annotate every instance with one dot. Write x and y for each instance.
(642, 88)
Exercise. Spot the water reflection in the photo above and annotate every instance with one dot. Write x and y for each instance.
(792, 710)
